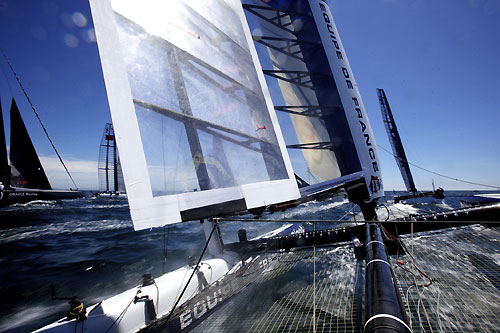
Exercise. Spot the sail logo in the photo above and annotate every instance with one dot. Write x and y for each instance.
(375, 184)
(23, 194)
(205, 302)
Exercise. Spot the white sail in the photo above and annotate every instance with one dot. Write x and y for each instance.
(192, 114)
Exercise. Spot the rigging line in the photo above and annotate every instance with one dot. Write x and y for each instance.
(348, 212)
(439, 174)
(120, 316)
(420, 296)
(38, 117)
(314, 284)
(343, 223)
(165, 244)
(189, 280)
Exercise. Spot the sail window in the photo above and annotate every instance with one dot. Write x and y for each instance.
(190, 107)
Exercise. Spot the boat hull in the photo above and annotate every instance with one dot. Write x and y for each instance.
(22, 195)
(128, 311)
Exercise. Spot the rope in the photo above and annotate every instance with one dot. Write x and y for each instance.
(192, 274)
(421, 301)
(38, 117)
(120, 316)
(437, 173)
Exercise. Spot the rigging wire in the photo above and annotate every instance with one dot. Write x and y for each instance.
(38, 117)
(189, 280)
(314, 284)
(439, 174)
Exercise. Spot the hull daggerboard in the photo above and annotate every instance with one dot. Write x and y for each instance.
(193, 118)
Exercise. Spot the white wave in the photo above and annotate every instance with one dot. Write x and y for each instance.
(35, 203)
(28, 314)
(398, 210)
(311, 207)
(69, 227)
(444, 206)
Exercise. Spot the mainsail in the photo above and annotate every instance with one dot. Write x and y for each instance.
(23, 155)
(311, 82)
(197, 132)
(110, 173)
(396, 144)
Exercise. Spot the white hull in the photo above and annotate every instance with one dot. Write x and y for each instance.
(121, 313)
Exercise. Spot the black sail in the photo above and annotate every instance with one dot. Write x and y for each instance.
(397, 145)
(4, 163)
(23, 155)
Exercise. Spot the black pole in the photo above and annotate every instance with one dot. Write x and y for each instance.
(384, 310)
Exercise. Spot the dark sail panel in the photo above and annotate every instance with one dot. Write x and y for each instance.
(321, 113)
(397, 145)
(23, 155)
(4, 163)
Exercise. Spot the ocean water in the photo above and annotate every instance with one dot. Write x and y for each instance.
(88, 248)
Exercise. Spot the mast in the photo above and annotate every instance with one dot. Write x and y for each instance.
(115, 165)
(107, 165)
(396, 144)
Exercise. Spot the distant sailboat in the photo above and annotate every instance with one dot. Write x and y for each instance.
(109, 168)
(399, 153)
(25, 179)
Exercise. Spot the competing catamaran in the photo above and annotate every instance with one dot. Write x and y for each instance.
(24, 180)
(230, 106)
(400, 155)
(109, 167)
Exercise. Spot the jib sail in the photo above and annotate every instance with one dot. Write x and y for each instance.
(192, 115)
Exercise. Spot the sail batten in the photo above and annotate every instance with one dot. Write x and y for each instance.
(23, 155)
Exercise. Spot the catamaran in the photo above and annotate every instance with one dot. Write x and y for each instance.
(109, 167)
(400, 155)
(231, 106)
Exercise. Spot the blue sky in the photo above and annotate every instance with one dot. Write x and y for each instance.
(436, 60)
